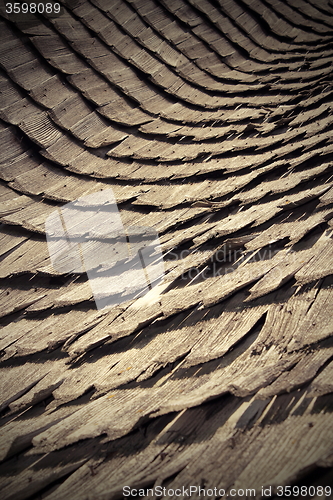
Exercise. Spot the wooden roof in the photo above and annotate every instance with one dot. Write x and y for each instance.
(211, 120)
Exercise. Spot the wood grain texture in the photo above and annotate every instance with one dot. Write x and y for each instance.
(211, 121)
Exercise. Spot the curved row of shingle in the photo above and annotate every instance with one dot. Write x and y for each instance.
(28, 255)
(54, 182)
(68, 64)
(143, 55)
(63, 115)
(40, 130)
(266, 183)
